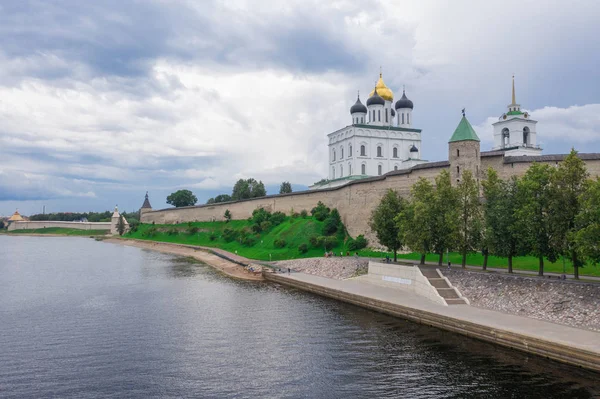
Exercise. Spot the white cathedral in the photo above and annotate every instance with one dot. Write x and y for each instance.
(381, 138)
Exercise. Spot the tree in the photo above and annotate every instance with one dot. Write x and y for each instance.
(121, 225)
(182, 198)
(416, 220)
(1, 224)
(569, 182)
(320, 212)
(502, 235)
(249, 188)
(445, 215)
(219, 198)
(469, 211)
(588, 222)
(383, 221)
(533, 212)
(227, 216)
(285, 188)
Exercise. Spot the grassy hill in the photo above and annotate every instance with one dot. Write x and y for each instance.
(261, 246)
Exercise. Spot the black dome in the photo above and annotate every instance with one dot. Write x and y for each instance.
(358, 107)
(404, 102)
(414, 149)
(375, 99)
(393, 113)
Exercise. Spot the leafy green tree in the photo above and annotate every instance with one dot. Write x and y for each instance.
(219, 198)
(569, 182)
(416, 220)
(182, 198)
(121, 225)
(470, 223)
(332, 223)
(445, 215)
(383, 221)
(249, 188)
(227, 216)
(502, 234)
(285, 188)
(587, 237)
(533, 212)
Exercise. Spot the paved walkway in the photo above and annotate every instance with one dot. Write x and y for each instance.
(538, 329)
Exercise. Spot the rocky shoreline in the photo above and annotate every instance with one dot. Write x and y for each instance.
(334, 267)
(569, 303)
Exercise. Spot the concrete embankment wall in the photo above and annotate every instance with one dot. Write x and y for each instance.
(66, 225)
(553, 350)
(408, 278)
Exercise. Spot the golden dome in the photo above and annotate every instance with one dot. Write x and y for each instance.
(383, 90)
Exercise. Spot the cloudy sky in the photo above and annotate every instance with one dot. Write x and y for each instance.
(102, 101)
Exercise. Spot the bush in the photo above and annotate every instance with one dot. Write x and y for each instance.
(326, 242)
(133, 226)
(359, 243)
(151, 232)
(249, 240)
(314, 241)
(212, 236)
(303, 248)
(330, 226)
(295, 215)
(227, 216)
(320, 212)
(304, 214)
(277, 218)
(265, 226)
(260, 215)
(191, 229)
(229, 235)
(173, 231)
(279, 243)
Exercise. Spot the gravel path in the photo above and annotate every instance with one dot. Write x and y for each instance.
(572, 304)
(336, 267)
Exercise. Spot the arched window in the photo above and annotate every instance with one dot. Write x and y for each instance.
(341, 152)
(362, 119)
(386, 115)
(457, 152)
(379, 114)
(341, 171)
(349, 150)
(395, 167)
(379, 151)
(363, 169)
(525, 136)
(403, 118)
(363, 151)
(379, 170)
(395, 152)
(333, 172)
(408, 118)
(349, 169)
(505, 137)
(373, 118)
(333, 155)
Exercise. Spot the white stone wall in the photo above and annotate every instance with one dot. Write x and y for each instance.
(66, 225)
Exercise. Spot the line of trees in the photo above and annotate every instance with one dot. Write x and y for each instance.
(550, 212)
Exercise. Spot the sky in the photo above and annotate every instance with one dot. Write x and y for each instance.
(102, 101)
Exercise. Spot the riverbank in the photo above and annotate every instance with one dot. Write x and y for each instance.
(229, 264)
(562, 343)
(56, 232)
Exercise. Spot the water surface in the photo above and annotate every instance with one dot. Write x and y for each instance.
(87, 319)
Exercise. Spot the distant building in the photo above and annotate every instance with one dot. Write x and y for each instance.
(16, 217)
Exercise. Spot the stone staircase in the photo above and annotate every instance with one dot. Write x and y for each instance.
(446, 291)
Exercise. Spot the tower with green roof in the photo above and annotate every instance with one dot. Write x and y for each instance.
(464, 151)
(515, 132)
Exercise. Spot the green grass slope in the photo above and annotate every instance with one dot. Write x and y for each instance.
(295, 231)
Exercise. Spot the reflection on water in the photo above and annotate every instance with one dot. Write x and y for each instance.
(87, 319)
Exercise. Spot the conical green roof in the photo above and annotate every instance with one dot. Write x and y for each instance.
(464, 132)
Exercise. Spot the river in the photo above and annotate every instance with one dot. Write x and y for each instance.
(87, 319)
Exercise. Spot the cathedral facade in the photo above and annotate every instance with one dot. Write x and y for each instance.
(380, 139)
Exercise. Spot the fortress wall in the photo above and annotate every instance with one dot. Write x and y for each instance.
(66, 225)
(354, 201)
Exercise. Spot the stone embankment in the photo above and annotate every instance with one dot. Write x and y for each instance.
(335, 267)
(569, 303)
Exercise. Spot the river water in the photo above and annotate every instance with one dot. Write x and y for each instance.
(87, 319)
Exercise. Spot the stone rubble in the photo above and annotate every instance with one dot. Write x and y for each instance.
(569, 303)
(335, 267)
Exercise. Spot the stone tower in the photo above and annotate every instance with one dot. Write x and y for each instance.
(464, 151)
(146, 207)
